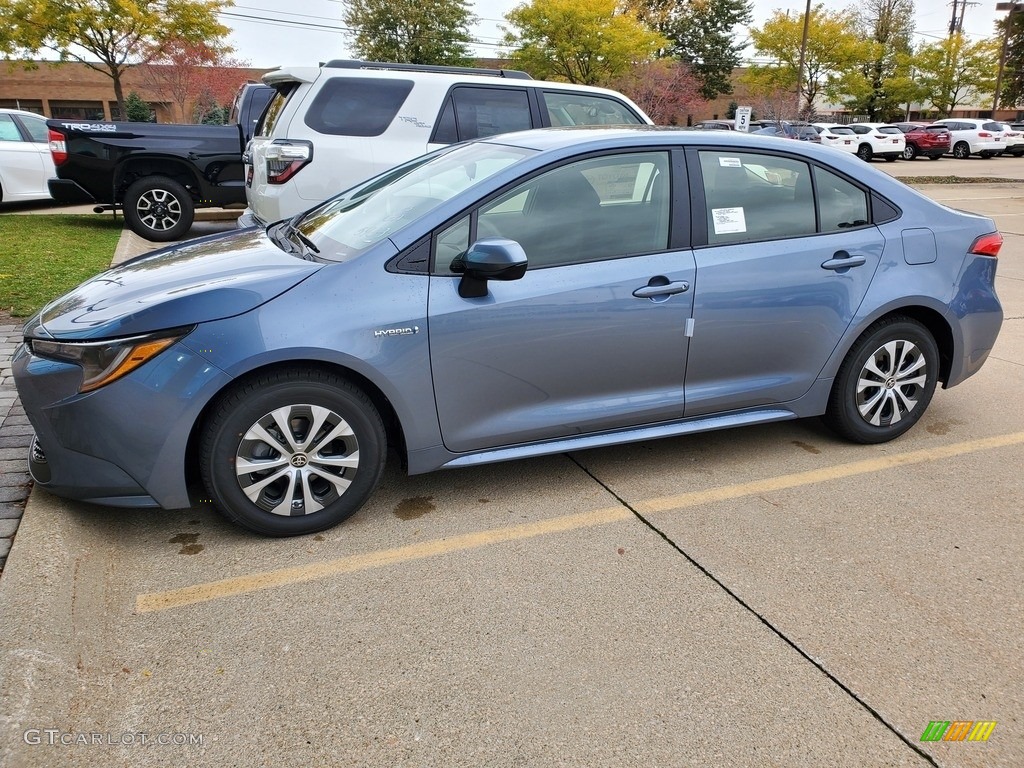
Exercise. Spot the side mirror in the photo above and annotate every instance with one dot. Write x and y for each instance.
(493, 258)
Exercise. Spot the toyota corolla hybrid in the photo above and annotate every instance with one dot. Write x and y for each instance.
(527, 294)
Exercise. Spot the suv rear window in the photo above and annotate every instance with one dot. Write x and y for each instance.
(268, 119)
(357, 106)
(565, 108)
(992, 127)
(888, 129)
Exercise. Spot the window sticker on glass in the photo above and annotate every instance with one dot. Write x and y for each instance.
(728, 221)
(730, 162)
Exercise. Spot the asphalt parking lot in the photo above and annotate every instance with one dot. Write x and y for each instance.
(764, 596)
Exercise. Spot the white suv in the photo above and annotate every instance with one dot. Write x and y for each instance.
(330, 127)
(974, 137)
(879, 139)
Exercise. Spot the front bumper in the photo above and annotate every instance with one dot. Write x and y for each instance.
(124, 444)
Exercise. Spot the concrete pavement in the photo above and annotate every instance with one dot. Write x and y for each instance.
(766, 596)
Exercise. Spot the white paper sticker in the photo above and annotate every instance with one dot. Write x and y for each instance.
(728, 220)
(730, 162)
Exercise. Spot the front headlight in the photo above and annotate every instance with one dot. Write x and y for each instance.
(105, 361)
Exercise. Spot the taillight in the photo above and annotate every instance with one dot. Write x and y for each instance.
(984, 135)
(58, 147)
(987, 245)
(285, 160)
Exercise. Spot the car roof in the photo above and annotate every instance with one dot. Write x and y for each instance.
(9, 111)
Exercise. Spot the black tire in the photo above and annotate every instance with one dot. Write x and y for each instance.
(354, 459)
(961, 150)
(158, 208)
(864, 152)
(891, 158)
(935, 157)
(878, 413)
(909, 152)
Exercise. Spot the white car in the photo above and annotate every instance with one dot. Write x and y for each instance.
(25, 161)
(839, 137)
(879, 140)
(969, 136)
(330, 127)
(1013, 139)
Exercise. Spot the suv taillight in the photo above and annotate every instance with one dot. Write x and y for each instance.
(285, 158)
(987, 245)
(984, 135)
(58, 147)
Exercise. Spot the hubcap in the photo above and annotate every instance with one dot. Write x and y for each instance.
(158, 209)
(297, 459)
(891, 383)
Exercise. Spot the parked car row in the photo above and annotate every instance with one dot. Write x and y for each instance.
(959, 137)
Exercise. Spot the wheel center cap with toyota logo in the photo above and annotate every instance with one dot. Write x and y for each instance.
(299, 460)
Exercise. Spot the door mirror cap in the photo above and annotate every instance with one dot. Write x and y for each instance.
(493, 258)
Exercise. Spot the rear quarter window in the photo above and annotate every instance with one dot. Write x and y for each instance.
(357, 106)
(269, 119)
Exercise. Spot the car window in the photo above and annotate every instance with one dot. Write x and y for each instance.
(481, 112)
(36, 128)
(842, 131)
(749, 196)
(860, 129)
(566, 108)
(347, 106)
(936, 129)
(8, 130)
(888, 129)
(992, 126)
(841, 205)
(595, 209)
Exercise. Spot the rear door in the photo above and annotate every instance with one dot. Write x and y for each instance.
(25, 160)
(788, 253)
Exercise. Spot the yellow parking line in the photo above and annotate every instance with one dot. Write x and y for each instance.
(239, 585)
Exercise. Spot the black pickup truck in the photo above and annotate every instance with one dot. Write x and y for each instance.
(157, 174)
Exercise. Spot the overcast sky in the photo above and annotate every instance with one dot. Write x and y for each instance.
(269, 33)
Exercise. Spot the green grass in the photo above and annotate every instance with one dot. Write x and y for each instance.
(45, 256)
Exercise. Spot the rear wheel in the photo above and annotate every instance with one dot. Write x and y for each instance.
(158, 208)
(864, 152)
(934, 157)
(891, 158)
(961, 150)
(910, 152)
(292, 452)
(885, 383)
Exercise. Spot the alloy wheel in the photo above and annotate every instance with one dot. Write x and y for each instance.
(158, 209)
(891, 383)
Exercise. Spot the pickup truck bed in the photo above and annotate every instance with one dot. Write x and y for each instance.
(158, 174)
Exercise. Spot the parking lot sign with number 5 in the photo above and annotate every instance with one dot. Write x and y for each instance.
(743, 119)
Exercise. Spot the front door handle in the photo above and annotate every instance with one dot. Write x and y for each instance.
(652, 291)
(841, 261)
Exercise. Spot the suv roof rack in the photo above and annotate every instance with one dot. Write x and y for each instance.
(513, 74)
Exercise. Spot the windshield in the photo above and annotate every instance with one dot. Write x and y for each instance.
(347, 225)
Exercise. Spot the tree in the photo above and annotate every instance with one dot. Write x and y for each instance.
(883, 82)
(1012, 86)
(119, 33)
(833, 48)
(702, 34)
(184, 71)
(665, 90)
(956, 71)
(136, 109)
(411, 31)
(579, 41)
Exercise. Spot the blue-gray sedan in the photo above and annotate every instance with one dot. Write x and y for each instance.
(529, 294)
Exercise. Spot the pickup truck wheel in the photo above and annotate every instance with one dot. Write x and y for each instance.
(158, 208)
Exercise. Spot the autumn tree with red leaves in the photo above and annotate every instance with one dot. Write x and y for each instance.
(199, 75)
(666, 90)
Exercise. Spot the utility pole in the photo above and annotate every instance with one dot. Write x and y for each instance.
(952, 20)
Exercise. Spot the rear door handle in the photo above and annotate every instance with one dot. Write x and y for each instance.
(842, 261)
(651, 291)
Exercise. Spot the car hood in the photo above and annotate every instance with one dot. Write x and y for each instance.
(207, 279)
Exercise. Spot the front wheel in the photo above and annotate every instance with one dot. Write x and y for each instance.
(292, 452)
(885, 383)
(158, 208)
(909, 152)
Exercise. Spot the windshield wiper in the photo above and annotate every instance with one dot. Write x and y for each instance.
(305, 240)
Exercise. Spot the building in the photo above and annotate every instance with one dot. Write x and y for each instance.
(75, 91)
